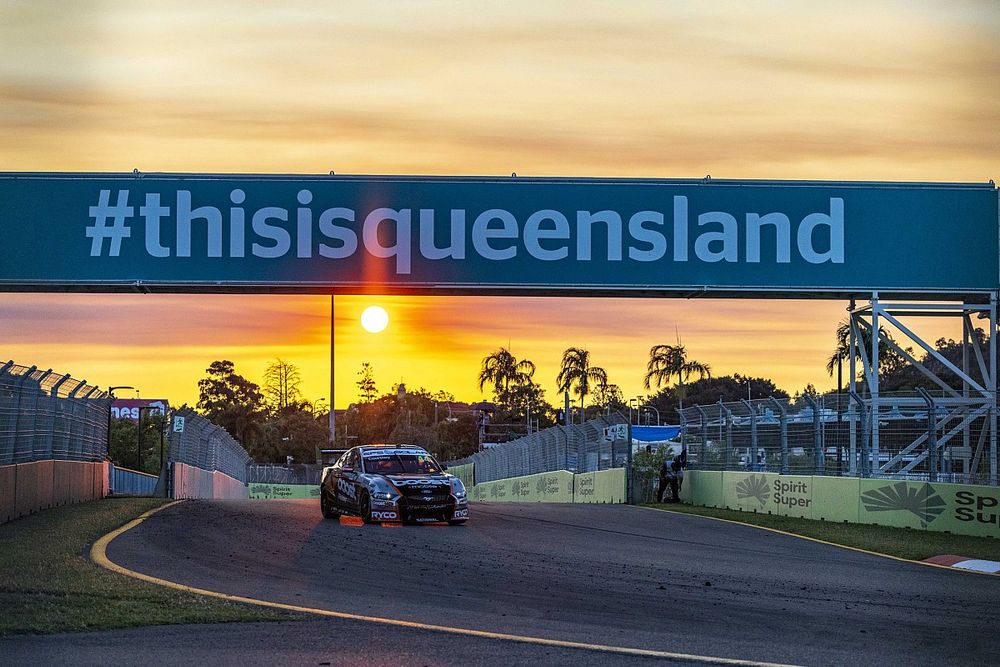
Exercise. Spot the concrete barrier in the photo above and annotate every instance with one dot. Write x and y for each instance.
(956, 508)
(560, 486)
(604, 486)
(26, 488)
(192, 482)
(284, 491)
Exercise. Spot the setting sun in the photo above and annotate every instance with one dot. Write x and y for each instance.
(374, 319)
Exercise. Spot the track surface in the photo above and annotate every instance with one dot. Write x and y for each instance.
(615, 575)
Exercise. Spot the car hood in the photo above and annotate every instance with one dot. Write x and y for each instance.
(436, 479)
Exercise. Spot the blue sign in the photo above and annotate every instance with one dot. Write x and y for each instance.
(340, 234)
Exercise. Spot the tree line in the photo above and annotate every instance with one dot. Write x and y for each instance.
(273, 420)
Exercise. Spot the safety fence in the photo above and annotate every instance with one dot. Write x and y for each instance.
(206, 461)
(920, 436)
(578, 448)
(125, 482)
(48, 416)
(53, 440)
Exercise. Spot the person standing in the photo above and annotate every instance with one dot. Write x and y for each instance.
(677, 478)
(666, 475)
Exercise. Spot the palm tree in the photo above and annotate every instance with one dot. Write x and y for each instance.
(668, 361)
(886, 354)
(576, 370)
(504, 372)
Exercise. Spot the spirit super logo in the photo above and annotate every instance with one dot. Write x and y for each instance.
(921, 501)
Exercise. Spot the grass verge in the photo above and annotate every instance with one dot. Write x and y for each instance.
(900, 542)
(48, 583)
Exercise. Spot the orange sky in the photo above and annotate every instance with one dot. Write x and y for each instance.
(852, 90)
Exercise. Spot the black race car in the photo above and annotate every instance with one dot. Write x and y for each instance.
(392, 483)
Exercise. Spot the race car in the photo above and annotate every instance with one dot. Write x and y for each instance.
(392, 483)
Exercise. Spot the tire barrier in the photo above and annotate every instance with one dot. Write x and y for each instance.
(963, 509)
(26, 488)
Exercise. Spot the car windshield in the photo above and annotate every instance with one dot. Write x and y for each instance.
(399, 464)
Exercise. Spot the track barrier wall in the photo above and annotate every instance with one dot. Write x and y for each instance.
(963, 509)
(284, 491)
(561, 486)
(26, 488)
(192, 482)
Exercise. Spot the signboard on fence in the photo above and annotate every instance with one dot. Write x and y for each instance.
(474, 235)
(128, 408)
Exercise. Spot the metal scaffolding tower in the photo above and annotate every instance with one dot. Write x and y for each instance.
(961, 414)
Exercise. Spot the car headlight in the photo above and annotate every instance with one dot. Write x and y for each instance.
(383, 490)
(457, 488)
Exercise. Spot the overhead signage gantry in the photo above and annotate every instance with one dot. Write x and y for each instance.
(912, 242)
(434, 235)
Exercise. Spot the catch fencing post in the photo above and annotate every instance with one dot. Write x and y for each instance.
(863, 417)
(932, 453)
(783, 421)
(819, 455)
(753, 434)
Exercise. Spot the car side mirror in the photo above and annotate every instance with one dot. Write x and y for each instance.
(444, 467)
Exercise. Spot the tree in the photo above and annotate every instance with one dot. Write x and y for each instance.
(281, 385)
(889, 360)
(505, 372)
(728, 388)
(609, 396)
(232, 402)
(669, 361)
(366, 383)
(578, 374)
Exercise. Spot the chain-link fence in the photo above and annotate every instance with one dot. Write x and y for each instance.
(296, 473)
(931, 436)
(46, 416)
(578, 448)
(204, 445)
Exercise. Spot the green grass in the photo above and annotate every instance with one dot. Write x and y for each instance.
(48, 583)
(901, 542)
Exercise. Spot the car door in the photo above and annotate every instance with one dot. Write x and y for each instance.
(347, 476)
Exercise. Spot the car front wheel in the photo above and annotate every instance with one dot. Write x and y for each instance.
(365, 507)
(326, 505)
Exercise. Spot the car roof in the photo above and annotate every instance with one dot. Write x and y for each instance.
(377, 447)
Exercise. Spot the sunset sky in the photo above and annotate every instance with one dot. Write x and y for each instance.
(838, 90)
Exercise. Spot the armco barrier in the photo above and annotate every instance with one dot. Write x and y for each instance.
(192, 482)
(956, 508)
(26, 488)
(284, 491)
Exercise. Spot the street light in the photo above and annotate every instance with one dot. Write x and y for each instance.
(650, 407)
(111, 395)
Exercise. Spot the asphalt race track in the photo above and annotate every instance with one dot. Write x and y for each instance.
(611, 575)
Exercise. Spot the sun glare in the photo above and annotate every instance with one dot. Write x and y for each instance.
(374, 319)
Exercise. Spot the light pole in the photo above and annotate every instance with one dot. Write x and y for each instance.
(111, 395)
(650, 407)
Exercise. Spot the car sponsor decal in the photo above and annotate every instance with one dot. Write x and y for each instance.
(347, 489)
(459, 514)
(384, 516)
(419, 482)
(386, 453)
